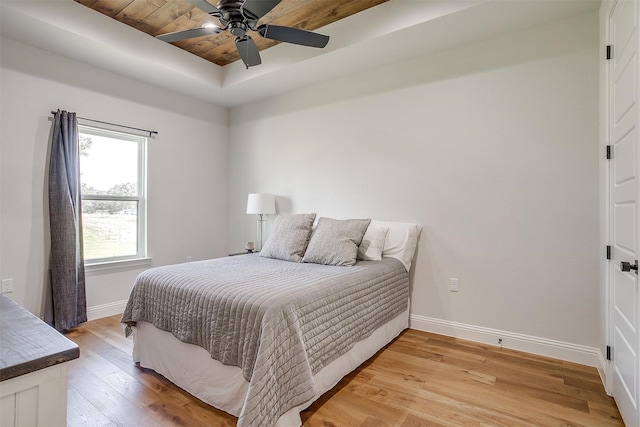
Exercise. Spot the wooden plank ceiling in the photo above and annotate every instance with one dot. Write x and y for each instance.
(156, 17)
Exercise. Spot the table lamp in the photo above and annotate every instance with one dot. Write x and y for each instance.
(260, 204)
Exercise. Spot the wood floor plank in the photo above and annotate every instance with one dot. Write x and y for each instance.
(80, 412)
(335, 415)
(132, 389)
(108, 401)
(419, 379)
(530, 391)
(607, 411)
(436, 406)
(414, 421)
(515, 403)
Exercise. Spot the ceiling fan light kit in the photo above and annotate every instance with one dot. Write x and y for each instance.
(240, 16)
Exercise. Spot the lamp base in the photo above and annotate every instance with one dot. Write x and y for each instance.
(259, 233)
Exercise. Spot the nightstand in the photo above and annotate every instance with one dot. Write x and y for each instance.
(243, 253)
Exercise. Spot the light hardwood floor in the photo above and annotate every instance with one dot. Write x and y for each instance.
(420, 379)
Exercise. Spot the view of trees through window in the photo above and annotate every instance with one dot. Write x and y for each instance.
(111, 196)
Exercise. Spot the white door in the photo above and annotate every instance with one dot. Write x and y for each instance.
(624, 298)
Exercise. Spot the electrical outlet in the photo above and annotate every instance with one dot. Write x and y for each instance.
(453, 285)
(7, 286)
(188, 259)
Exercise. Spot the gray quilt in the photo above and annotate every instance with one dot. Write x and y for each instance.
(280, 321)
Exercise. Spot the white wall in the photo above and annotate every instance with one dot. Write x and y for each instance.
(491, 147)
(187, 167)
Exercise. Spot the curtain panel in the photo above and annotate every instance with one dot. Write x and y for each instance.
(65, 216)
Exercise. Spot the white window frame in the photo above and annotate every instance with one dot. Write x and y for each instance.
(140, 257)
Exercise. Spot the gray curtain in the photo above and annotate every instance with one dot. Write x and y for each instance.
(65, 216)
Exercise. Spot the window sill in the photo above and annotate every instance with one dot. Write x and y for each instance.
(117, 265)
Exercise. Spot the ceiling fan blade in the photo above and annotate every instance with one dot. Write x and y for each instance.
(205, 7)
(293, 35)
(188, 34)
(256, 9)
(248, 51)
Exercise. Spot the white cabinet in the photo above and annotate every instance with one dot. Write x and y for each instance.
(35, 399)
(33, 369)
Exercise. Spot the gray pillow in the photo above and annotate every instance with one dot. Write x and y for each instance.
(335, 242)
(288, 237)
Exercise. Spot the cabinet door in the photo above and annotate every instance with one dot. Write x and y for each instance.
(38, 399)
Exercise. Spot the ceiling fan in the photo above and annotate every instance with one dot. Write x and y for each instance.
(240, 16)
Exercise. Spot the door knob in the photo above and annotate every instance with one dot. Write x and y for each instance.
(626, 266)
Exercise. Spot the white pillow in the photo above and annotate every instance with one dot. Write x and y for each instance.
(370, 248)
(401, 240)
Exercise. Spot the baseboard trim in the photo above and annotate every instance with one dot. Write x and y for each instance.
(603, 370)
(576, 353)
(105, 310)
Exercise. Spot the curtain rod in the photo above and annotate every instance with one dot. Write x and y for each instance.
(150, 132)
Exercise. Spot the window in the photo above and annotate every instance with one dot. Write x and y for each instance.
(112, 175)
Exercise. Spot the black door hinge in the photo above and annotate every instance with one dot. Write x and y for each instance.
(608, 252)
(608, 352)
(609, 152)
(609, 51)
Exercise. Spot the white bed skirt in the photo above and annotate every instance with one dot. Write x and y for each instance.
(191, 367)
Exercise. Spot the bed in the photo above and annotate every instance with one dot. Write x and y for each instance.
(262, 336)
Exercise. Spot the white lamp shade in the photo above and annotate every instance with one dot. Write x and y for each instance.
(261, 204)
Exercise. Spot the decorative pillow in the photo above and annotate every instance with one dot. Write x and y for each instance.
(335, 242)
(289, 237)
(372, 243)
(401, 240)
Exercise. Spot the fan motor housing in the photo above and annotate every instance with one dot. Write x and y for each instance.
(233, 17)
(237, 28)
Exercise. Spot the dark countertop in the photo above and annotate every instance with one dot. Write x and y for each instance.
(27, 344)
